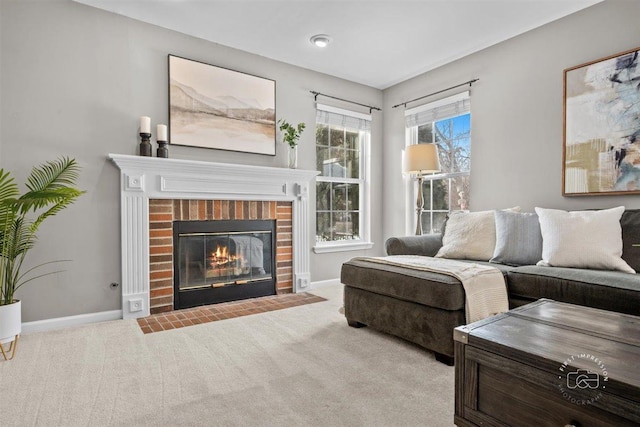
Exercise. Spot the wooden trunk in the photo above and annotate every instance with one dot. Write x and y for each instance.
(549, 364)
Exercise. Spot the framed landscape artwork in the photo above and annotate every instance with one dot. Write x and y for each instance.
(601, 151)
(213, 107)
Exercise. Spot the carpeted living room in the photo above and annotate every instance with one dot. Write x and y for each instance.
(312, 213)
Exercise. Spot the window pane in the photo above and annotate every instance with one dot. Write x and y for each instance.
(355, 225)
(438, 221)
(353, 197)
(322, 135)
(432, 222)
(440, 196)
(345, 225)
(425, 134)
(352, 140)
(339, 197)
(337, 136)
(353, 164)
(323, 227)
(322, 160)
(453, 137)
(337, 167)
(460, 188)
(323, 194)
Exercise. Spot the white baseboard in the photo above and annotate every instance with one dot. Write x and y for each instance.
(65, 322)
(103, 316)
(325, 283)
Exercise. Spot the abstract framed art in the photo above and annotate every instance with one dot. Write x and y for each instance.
(214, 107)
(601, 149)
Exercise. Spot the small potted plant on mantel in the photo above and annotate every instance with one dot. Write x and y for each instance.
(51, 188)
(290, 136)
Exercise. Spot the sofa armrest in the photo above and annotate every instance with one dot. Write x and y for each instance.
(426, 245)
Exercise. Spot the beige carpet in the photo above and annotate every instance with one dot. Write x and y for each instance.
(302, 366)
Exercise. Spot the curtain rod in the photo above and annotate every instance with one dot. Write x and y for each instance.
(316, 94)
(470, 82)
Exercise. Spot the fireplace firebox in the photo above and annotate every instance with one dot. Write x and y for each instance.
(222, 260)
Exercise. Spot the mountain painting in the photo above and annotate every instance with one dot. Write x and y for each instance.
(602, 126)
(213, 107)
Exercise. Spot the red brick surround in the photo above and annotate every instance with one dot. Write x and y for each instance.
(162, 213)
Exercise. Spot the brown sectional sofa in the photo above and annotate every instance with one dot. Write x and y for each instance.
(424, 307)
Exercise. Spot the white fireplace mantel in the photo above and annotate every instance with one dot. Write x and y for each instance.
(144, 178)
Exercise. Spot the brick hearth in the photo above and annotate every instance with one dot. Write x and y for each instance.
(162, 213)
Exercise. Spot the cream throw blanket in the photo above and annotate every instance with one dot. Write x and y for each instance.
(484, 286)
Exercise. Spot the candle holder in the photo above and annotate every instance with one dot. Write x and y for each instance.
(145, 144)
(163, 150)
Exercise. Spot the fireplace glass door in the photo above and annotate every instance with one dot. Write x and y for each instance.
(218, 261)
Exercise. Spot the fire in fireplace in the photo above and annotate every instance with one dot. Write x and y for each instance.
(218, 261)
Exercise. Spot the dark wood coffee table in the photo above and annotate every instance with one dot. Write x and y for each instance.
(549, 364)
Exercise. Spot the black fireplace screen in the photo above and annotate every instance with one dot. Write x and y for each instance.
(222, 259)
(213, 265)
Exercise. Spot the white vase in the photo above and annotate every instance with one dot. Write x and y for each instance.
(293, 157)
(10, 321)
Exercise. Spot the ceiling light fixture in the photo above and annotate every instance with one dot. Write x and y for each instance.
(320, 40)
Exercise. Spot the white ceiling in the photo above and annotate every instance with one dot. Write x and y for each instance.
(376, 43)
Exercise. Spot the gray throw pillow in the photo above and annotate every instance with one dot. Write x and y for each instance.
(518, 238)
(630, 223)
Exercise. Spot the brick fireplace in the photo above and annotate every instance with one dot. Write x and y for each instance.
(164, 212)
(154, 188)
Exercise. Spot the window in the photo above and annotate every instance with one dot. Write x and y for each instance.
(447, 123)
(342, 194)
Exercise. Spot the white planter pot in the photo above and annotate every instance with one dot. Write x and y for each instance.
(10, 321)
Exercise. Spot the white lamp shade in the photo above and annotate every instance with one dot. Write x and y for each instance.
(421, 158)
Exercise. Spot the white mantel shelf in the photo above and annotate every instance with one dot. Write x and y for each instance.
(144, 178)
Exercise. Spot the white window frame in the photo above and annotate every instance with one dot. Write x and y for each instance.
(364, 142)
(411, 137)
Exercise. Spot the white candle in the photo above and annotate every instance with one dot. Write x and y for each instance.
(145, 124)
(161, 132)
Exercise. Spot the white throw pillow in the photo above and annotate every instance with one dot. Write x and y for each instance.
(582, 239)
(470, 235)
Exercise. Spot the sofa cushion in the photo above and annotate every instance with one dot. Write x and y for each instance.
(422, 287)
(630, 223)
(582, 239)
(608, 290)
(469, 235)
(518, 238)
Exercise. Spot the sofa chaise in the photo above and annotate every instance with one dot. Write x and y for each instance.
(424, 307)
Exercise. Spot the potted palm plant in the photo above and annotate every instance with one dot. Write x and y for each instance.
(50, 188)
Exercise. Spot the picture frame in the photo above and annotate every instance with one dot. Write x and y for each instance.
(601, 144)
(218, 108)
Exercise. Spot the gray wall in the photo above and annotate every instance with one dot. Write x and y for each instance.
(516, 112)
(74, 82)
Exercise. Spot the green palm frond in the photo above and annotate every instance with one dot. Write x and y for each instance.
(8, 186)
(20, 238)
(8, 194)
(53, 175)
(67, 197)
(63, 196)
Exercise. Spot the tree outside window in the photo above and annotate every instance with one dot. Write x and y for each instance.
(448, 190)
